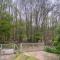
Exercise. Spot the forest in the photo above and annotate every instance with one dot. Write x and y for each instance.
(30, 21)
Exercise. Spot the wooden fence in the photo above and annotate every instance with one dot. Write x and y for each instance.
(31, 46)
(22, 47)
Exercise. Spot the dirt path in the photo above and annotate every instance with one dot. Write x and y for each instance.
(41, 55)
(6, 57)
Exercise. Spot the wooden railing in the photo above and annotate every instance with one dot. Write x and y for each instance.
(23, 47)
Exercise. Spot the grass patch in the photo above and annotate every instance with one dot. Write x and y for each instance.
(24, 57)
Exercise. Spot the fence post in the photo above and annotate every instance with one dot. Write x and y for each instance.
(1, 46)
(21, 47)
(14, 46)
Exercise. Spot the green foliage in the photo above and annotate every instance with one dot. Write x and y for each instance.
(5, 25)
(20, 30)
(37, 36)
(52, 50)
(56, 42)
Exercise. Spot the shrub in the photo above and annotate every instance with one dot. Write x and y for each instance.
(52, 50)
